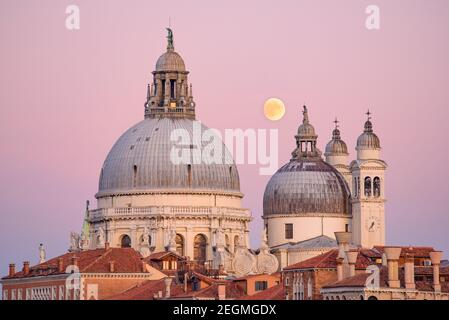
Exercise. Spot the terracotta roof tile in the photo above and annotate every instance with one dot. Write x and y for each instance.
(276, 292)
(328, 260)
(126, 260)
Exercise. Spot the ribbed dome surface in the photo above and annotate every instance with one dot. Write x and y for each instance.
(368, 139)
(305, 187)
(170, 61)
(336, 146)
(140, 160)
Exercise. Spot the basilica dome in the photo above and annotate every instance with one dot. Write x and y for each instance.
(141, 160)
(307, 184)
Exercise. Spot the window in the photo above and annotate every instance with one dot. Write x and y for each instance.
(261, 285)
(126, 241)
(289, 231)
(199, 248)
(13, 294)
(309, 289)
(179, 245)
(19, 294)
(376, 187)
(368, 187)
(346, 227)
(134, 176)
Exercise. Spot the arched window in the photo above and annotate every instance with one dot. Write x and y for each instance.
(368, 187)
(125, 242)
(227, 242)
(372, 298)
(337, 298)
(301, 289)
(376, 187)
(199, 248)
(179, 244)
(236, 242)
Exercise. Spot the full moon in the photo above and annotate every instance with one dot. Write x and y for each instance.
(274, 109)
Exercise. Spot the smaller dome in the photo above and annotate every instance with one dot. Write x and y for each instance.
(170, 61)
(368, 139)
(306, 130)
(336, 146)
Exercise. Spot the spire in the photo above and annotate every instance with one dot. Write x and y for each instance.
(170, 46)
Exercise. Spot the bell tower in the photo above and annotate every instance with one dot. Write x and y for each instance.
(368, 190)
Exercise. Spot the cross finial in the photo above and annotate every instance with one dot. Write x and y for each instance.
(368, 114)
(336, 123)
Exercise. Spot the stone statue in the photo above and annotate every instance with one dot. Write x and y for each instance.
(84, 241)
(171, 246)
(42, 254)
(146, 237)
(144, 247)
(75, 242)
(170, 39)
(100, 237)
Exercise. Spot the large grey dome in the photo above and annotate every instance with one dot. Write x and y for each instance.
(140, 161)
(306, 186)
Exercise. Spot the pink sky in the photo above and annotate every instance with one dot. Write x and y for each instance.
(66, 96)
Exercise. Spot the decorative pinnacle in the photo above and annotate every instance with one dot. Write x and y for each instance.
(170, 46)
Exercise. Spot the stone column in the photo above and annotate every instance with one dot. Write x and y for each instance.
(409, 270)
(435, 256)
(393, 254)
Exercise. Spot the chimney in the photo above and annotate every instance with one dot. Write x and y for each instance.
(167, 282)
(340, 275)
(12, 269)
(409, 270)
(435, 256)
(352, 259)
(221, 291)
(60, 265)
(111, 266)
(393, 254)
(106, 245)
(74, 261)
(26, 268)
(343, 241)
(144, 266)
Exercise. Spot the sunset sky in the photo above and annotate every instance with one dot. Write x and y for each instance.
(66, 96)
